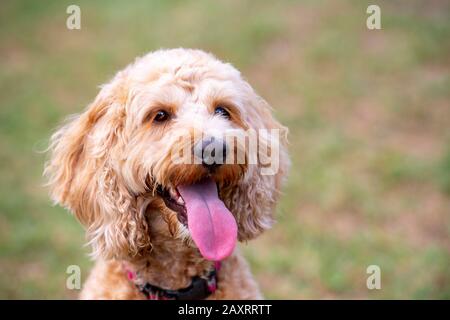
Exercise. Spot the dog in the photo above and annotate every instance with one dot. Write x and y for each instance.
(160, 228)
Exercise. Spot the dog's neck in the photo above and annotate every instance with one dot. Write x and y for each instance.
(172, 261)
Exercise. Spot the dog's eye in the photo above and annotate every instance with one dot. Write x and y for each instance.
(221, 111)
(161, 116)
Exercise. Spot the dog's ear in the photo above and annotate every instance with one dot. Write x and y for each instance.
(83, 177)
(68, 166)
(253, 202)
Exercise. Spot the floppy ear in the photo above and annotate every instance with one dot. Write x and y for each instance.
(67, 170)
(253, 201)
(83, 178)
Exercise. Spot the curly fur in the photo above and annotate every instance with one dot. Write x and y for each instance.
(106, 162)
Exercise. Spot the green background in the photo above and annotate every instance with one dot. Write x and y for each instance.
(368, 113)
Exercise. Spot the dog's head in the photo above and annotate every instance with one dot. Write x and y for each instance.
(170, 139)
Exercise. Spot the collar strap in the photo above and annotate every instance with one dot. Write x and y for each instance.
(200, 288)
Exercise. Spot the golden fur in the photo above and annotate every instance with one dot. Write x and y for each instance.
(106, 162)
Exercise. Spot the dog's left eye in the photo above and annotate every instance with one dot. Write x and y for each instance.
(161, 116)
(221, 111)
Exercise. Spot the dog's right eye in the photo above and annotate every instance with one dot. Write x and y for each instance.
(161, 116)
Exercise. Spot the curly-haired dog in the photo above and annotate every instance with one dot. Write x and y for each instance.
(159, 228)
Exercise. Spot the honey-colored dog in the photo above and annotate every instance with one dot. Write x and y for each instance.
(161, 229)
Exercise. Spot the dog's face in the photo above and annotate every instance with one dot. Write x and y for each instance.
(162, 142)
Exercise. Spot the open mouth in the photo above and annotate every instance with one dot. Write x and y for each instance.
(173, 200)
(211, 225)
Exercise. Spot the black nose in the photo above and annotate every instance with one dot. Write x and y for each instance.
(213, 152)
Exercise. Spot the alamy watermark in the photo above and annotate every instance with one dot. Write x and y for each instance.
(73, 281)
(73, 21)
(374, 20)
(374, 280)
(249, 147)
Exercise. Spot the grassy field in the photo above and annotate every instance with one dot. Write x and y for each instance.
(369, 119)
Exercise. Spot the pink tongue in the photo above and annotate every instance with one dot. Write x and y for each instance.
(211, 224)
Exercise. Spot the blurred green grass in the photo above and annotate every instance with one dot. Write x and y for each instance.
(368, 112)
